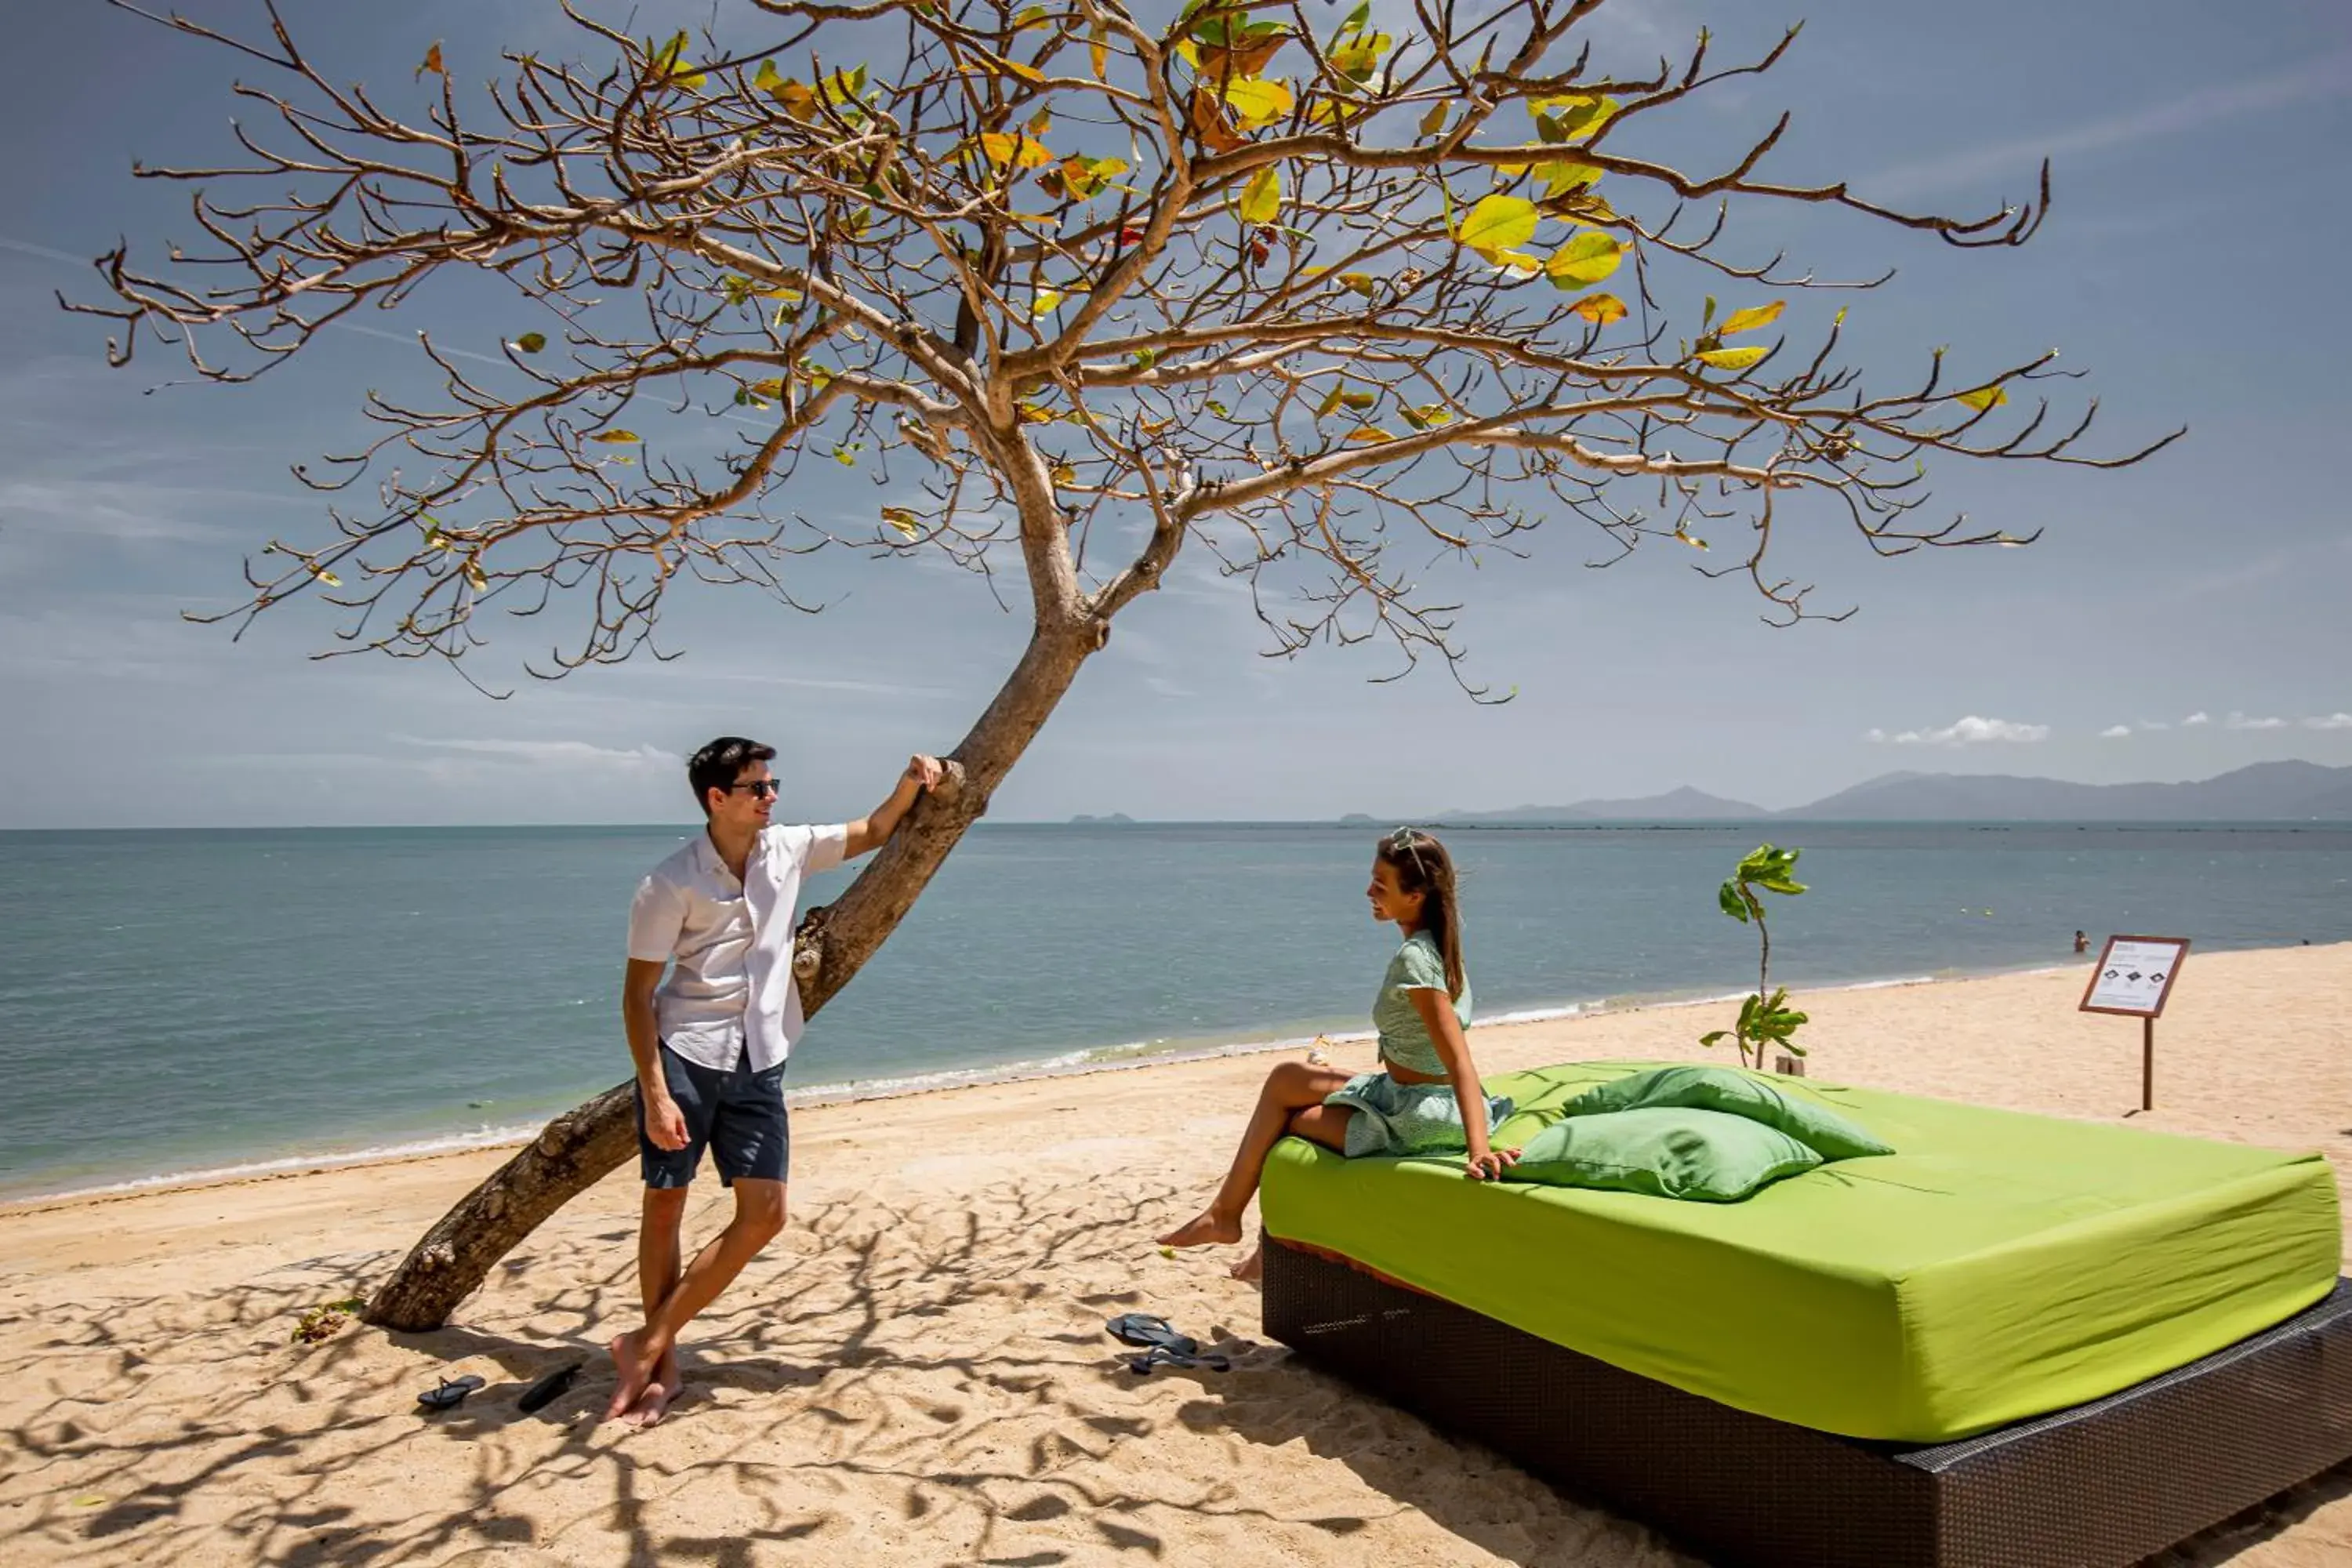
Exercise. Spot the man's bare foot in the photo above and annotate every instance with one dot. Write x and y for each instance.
(668, 1384)
(631, 1373)
(1203, 1229)
(1252, 1269)
(650, 1407)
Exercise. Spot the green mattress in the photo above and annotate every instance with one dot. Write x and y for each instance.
(1997, 1267)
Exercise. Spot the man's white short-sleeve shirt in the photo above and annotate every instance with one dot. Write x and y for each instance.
(730, 943)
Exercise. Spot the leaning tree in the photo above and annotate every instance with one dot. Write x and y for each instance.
(1085, 284)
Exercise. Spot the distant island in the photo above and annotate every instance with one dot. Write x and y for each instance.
(2266, 792)
(1684, 805)
(1115, 819)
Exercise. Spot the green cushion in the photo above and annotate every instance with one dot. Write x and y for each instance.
(1666, 1152)
(2000, 1265)
(1778, 1102)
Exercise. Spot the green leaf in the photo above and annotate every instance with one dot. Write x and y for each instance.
(1562, 177)
(670, 62)
(1499, 224)
(1362, 282)
(1712, 1036)
(1584, 260)
(1750, 318)
(1732, 359)
(1706, 317)
(1728, 897)
(1985, 397)
(1434, 121)
(1357, 20)
(1263, 198)
(1330, 403)
(531, 343)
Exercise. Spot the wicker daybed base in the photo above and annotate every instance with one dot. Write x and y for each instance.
(2105, 1483)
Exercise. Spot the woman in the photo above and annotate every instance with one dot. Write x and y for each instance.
(1426, 1101)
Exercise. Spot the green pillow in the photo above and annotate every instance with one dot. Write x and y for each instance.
(1667, 1152)
(1737, 1094)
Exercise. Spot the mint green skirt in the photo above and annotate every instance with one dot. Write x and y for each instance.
(1394, 1117)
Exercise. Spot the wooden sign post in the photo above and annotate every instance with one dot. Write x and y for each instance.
(2133, 978)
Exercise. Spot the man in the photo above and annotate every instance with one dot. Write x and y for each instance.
(711, 1041)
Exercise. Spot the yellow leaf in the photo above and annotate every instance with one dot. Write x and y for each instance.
(1262, 199)
(1041, 123)
(1985, 397)
(1732, 359)
(330, 579)
(1750, 318)
(1096, 47)
(1584, 260)
(1369, 433)
(1026, 73)
(1433, 121)
(1063, 473)
(433, 63)
(1499, 224)
(1021, 152)
(616, 437)
(1359, 401)
(905, 521)
(476, 577)
(1331, 400)
(1046, 299)
(1257, 101)
(1600, 309)
(1362, 282)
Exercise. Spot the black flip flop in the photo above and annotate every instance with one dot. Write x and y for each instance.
(451, 1393)
(548, 1389)
(1161, 1356)
(1145, 1332)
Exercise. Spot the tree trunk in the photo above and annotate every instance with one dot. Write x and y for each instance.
(587, 1143)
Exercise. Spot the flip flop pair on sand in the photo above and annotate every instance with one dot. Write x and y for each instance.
(452, 1392)
(1162, 1345)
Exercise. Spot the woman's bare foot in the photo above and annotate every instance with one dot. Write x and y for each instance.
(631, 1373)
(1252, 1269)
(1206, 1228)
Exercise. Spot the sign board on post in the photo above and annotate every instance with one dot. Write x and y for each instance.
(2134, 977)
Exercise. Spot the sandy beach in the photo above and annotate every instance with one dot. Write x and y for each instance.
(915, 1373)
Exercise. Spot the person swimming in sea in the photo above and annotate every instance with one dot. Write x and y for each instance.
(1425, 1100)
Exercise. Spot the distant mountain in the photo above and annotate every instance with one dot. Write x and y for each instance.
(1684, 805)
(2266, 791)
(1115, 819)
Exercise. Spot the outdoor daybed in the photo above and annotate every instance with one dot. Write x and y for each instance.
(2017, 1341)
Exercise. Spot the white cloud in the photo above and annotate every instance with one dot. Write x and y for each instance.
(2194, 720)
(2116, 732)
(2239, 722)
(1969, 731)
(2325, 77)
(575, 753)
(2329, 722)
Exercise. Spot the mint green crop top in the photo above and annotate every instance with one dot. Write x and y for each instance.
(1404, 1039)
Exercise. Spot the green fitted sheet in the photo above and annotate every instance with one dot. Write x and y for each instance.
(1999, 1266)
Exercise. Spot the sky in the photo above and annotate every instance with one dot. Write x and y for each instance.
(2177, 620)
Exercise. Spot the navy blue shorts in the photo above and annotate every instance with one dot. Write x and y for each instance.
(738, 1113)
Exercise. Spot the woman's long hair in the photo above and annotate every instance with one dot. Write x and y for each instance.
(1422, 866)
